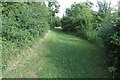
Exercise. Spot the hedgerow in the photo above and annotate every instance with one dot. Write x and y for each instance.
(22, 23)
(111, 39)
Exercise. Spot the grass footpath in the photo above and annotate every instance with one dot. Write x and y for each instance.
(59, 55)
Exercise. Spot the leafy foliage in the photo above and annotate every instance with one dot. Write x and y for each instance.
(80, 18)
(22, 23)
(110, 33)
(54, 21)
(97, 27)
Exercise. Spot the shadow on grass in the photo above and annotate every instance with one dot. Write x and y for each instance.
(71, 57)
(59, 30)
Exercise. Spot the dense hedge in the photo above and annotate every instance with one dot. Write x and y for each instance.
(22, 23)
(111, 40)
(109, 32)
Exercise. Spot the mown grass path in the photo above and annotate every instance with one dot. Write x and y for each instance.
(59, 55)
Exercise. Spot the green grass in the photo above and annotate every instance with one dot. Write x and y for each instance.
(61, 55)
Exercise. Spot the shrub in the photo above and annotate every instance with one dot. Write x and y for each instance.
(79, 17)
(22, 23)
(110, 36)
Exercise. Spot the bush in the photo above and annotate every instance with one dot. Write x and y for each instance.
(110, 36)
(55, 22)
(79, 17)
(22, 23)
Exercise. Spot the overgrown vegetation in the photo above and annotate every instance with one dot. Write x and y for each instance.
(80, 18)
(97, 27)
(54, 21)
(60, 55)
(22, 23)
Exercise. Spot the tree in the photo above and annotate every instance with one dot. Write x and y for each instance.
(54, 8)
(79, 17)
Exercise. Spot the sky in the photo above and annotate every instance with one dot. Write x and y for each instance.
(67, 3)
